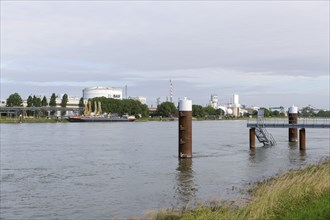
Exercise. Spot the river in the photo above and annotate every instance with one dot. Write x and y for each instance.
(118, 170)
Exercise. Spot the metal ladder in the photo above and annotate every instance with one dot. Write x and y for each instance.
(263, 135)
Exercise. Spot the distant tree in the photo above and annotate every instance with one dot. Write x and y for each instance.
(36, 101)
(64, 102)
(52, 103)
(275, 113)
(81, 102)
(209, 111)
(220, 112)
(29, 101)
(166, 109)
(198, 111)
(307, 112)
(14, 100)
(44, 101)
(323, 113)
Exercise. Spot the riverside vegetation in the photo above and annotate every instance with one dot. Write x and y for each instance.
(297, 194)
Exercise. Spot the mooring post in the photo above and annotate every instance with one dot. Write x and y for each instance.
(302, 139)
(185, 128)
(293, 119)
(252, 138)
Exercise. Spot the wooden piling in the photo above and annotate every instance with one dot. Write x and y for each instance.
(302, 139)
(185, 128)
(252, 138)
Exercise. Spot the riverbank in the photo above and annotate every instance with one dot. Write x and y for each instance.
(297, 194)
(31, 120)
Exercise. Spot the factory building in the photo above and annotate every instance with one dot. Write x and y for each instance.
(108, 92)
(214, 101)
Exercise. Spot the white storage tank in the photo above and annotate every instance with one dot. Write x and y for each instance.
(108, 92)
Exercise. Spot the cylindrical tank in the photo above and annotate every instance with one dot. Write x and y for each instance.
(293, 119)
(185, 128)
(108, 92)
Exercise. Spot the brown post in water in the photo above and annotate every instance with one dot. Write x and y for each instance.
(293, 119)
(252, 138)
(302, 139)
(185, 128)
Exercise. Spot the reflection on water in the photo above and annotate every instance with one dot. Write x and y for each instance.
(186, 188)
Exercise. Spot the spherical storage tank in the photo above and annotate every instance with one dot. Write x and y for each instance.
(108, 92)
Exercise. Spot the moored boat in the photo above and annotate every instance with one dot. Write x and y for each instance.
(124, 118)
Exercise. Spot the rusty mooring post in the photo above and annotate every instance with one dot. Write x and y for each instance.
(302, 139)
(252, 138)
(293, 119)
(185, 128)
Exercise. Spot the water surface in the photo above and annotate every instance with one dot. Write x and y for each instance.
(117, 170)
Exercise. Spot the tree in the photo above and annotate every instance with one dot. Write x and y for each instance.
(64, 102)
(44, 101)
(166, 109)
(29, 101)
(198, 111)
(81, 102)
(14, 100)
(36, 101)
(209, 110)
(52, 103)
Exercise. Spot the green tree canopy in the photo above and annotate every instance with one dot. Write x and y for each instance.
(81, 102)
(64, 100)
(36, 101)
(209, 110)
(44, 101)
(14, 100)
(323, 113)
(166, 109)
(29, 101)
(198, 111)
(52, 101)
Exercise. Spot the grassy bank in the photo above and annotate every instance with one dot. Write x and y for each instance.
(30, 120)
(298, 194)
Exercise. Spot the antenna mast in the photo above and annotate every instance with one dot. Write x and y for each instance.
(171, 91)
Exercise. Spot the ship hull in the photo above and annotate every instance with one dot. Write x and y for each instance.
(98, 119)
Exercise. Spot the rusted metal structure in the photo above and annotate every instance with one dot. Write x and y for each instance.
(185, 128)
(293, 119)
(302, 139)
(252, 138)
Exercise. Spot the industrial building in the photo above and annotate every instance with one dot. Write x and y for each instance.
(108, 92)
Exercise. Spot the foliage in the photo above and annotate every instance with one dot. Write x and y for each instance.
(52, 101)
(307, 112)
(323, 113)
(36, 101)
(64, 101)
(121, 107)
(81, 102)
(29, 101)
(166, 109)
(44, 101)
(209, 110)
(198, 111)
(14, 100)
(294, 195)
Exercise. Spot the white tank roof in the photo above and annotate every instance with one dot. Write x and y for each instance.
(293, 110)
(185, 104)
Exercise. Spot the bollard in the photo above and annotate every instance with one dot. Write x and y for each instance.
(252, 138)
(293, 119)
(302, 139)
(185, 128)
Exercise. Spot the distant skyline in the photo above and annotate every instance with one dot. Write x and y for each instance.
(270, 53)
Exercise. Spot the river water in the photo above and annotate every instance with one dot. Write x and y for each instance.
(118, 170)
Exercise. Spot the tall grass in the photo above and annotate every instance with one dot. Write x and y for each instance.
(294, 195)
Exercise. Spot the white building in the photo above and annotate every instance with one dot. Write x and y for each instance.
(108, 92)
(214, 101)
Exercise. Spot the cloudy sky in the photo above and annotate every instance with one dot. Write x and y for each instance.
(270, 53)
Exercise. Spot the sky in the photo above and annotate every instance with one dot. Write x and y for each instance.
(271, 53)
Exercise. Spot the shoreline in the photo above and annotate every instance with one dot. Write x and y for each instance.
(294, 194)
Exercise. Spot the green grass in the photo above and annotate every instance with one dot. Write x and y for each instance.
(30, 120)
(297, 194)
